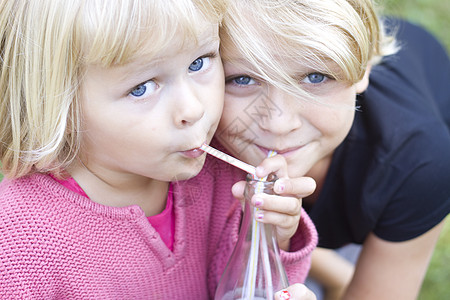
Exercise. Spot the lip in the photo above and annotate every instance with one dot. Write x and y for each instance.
(192, 153)
(285, 152)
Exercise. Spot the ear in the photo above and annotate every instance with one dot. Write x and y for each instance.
(362, 85)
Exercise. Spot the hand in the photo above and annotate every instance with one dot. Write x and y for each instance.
(295, 292)
(282, 209)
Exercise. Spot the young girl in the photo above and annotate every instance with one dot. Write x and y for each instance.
(103, 104)
(293, 71)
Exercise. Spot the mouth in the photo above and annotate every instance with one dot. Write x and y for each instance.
(285, 151)
(193, 152)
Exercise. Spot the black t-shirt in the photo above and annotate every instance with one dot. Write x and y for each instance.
(391, 175)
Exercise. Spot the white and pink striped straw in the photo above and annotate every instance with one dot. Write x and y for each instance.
(229, 159)
(248, 289)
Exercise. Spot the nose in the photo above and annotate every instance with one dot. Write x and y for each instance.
(278, 112)
(188, 107)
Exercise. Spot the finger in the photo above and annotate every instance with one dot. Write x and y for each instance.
(301, 187)
(276, 164)
(280, 204)
(285, 224)
(238, 190)
(295, 292)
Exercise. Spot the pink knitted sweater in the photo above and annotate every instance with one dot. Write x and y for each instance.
(56, 244)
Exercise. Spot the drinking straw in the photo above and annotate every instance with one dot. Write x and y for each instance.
(248, 291)
(258, 232)
(229, 159)
(262, 234)
(258, 239)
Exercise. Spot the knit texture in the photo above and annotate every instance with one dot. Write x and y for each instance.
(56, 244)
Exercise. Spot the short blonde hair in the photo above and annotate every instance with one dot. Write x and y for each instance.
(45, 46)
(274, 34)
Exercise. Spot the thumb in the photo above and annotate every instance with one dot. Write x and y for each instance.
(238, 190)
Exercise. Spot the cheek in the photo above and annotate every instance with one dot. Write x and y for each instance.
(215, 97)
(227, 116)
(336, 123)
(214, 107)
(231, 111)
(337, 118)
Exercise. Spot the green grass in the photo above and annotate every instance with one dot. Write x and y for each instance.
(434, 16)
(436, 284)
(431, 14)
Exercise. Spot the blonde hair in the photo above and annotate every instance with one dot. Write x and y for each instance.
(45, 46)
(272, 35)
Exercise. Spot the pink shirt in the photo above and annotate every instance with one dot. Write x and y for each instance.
(163, 222)
(57, 244)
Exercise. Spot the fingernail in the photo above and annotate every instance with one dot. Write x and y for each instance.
(259, 215)
(284, 295)
(280, 187)
(258, 202)
(259, 170)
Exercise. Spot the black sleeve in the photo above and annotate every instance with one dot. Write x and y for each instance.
(418, 187)
(420, 169)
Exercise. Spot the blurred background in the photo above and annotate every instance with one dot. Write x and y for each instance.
(433, 15)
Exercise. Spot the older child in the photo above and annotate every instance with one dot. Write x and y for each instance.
(294, 70)
(103, 104)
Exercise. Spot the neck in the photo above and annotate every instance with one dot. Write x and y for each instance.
(121, 190)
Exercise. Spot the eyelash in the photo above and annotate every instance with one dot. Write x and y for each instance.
(210, 55)
(139, 86)
(325, 77)
(231, 80)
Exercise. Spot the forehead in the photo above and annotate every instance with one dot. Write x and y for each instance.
(142, 67)
(207, 40)
(206, 34)
(111, 36)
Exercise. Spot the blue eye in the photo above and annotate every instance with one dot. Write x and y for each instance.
(196, 65)
(243, 80)
(144, 89)
(139, 91)
(315, 78)
(199, 64)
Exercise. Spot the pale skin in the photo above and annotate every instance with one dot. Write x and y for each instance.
(306, 134)
(144, 121)
(133, 135)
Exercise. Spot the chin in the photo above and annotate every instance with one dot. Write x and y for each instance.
(251, 157)
(188, 172)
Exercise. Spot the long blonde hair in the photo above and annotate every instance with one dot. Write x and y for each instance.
(45, 46)
(272, 35)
